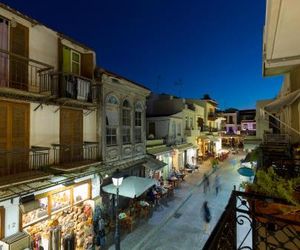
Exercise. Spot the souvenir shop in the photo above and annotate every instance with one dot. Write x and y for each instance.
(61, 218)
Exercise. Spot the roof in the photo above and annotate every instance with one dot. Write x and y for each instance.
(35, 22)
(102, 70)
(158, 150)
(162, 115)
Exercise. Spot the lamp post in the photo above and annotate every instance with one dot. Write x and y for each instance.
(117, 181)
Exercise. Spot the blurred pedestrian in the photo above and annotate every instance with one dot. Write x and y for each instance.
(217, 183)
(205, 183)
(206, 216)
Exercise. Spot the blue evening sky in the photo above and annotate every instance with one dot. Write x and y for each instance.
(212, 47)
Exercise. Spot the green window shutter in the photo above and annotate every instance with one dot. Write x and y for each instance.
(66, 59)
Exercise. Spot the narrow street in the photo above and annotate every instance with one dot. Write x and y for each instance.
(178, 224)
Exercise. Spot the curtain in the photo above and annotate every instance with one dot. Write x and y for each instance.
(3, 56)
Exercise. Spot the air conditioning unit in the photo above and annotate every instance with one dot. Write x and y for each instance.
(18, 241)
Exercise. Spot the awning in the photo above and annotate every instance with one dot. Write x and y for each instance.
(185, 146)
(213, 138)
(159, 150)
(131, 187)
(281, 102)
(154, 164)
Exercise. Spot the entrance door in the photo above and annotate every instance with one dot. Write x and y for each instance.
(71, 135)
(18, 67)
(14, 138)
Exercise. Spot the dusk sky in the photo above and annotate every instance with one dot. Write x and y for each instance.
(212, 47)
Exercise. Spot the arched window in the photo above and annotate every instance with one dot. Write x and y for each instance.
(112, 120)
(138, 123)
(126, 122)
(112, 100)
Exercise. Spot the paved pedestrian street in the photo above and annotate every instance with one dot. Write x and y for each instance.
(178, 224)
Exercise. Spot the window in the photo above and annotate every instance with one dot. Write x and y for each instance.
(254, 126)
(174, 129)
(126, 135)
(112, 100)
(138, 126)
(71, 61)
(138, 135)
(111, 136)
(126, 122)
(186, 122)
(179, 129)
(75, 66)
(230, 119)
(152, 128)
(191, 122)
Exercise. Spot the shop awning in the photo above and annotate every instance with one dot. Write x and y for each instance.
(185, 146)
(281, 102)
(154, 164)
(131, 187)
(213, 138)
(158, 150)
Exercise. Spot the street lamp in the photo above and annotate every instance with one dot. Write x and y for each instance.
(117, 181)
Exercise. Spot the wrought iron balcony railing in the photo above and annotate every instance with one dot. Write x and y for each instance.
(248, 222)
(75, 155)
(18, 161)
(18, 72)
(66, 85)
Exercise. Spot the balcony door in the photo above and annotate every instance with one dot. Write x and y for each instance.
(18, 66)
(71, 135)
(3, 56)
(14, 138)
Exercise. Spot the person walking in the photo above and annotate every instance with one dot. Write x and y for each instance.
(206, 216)
(217, 183)
(205, 183)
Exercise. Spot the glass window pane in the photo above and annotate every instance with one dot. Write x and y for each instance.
(61, 200)
(75, 68)
(81, 193)
(36, 214)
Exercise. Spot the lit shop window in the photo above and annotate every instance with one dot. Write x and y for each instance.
(81, 193)
(37, 214)
(61, 200)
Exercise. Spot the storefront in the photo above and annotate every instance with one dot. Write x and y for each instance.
(53, 212)
(63, 216)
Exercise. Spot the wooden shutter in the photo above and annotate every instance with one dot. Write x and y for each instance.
(20, 137)
(2, 222)
(87, 65)
(14, 137)
(19, 44)
(66, 59)
(71, 135)
(4, 138)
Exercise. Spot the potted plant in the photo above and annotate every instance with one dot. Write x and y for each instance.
(268, 183)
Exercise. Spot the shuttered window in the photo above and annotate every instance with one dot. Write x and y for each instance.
(14, 137)
(19, 44)
(71, 135)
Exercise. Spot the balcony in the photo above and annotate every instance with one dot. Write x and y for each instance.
(211, 116)
(208, 129)
(247, 224)
(192, 132)
(23, 164)
(25, 77)
(73, 89)
(72, 157)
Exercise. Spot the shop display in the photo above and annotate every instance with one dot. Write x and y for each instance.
(72, 226)
(37, 214)
(63, 221)
(61, 200)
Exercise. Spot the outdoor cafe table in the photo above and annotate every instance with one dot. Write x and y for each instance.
(174, 181)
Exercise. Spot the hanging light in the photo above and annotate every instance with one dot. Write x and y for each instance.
(117, 178)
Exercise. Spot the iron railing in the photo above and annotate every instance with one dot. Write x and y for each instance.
(66, 85)
(18, 161)
(23, 73)
(75, 154)
(248, 222)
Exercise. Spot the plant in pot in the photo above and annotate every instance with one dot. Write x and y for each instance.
(268, 183)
